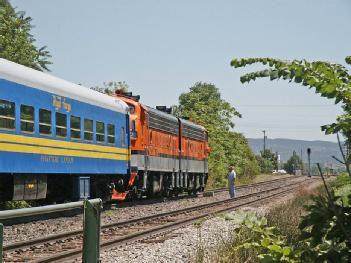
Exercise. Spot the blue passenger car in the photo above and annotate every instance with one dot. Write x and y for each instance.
(59, 140)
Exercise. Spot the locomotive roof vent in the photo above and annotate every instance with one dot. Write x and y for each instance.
(164, 109)
(128, 94)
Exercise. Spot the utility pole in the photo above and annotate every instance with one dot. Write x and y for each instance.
(264, 141)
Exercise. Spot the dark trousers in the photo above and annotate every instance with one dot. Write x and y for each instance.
(232, 189)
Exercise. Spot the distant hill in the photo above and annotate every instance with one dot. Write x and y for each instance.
(321, 150)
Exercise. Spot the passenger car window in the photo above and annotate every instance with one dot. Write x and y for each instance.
(61, 125)
(75, 127)
(88, 130)
(100, 132)
(27, 118)
(44, 122)
(111, 133)
(7, 115)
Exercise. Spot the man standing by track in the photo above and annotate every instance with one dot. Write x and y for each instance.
(231, 181)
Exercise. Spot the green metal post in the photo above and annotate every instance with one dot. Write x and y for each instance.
(91, 240)
(1, 240)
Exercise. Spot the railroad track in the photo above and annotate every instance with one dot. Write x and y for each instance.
(68, 245)
(216, 190)
(107, 206)
(244, 186)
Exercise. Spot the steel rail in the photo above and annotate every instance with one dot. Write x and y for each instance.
(243, 186)
(171, 226)
(76, 252)
(17, 245)
(175, 225)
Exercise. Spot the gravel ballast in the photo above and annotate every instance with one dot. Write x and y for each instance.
(21, 232)
(183, 245)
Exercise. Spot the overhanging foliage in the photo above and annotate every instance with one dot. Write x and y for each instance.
(17, 44)
(330, 80)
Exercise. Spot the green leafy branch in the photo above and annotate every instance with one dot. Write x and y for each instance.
(330, 80)
(17, 44)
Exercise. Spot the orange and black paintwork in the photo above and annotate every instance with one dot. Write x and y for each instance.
(169, 154)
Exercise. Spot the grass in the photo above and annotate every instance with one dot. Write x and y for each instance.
(287, 216)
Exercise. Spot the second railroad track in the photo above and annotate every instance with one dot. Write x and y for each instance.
(65, 246)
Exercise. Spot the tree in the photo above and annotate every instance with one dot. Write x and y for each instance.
(294, 163)
(266, 165)
(329, 80)
(270, 156)
(203, 105)
(267, 161)
(111, 87)
(16, 42)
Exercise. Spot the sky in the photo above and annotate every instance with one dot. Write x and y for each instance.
(162, 48)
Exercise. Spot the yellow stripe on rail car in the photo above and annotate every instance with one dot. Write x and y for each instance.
(4, 137)
(20, 148)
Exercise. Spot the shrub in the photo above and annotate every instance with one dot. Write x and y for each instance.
(327, 227)
(341, 180)
(255, 239)
(14, 205)
(286, 217)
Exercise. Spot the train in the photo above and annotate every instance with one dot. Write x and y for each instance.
(61, 141)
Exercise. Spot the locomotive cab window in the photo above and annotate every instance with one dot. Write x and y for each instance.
(27, 118)
(131, 109)
(7, 115)
(134, 132)
(111, 133)
(75, 127)
(61, 125)
(100, 132)
(44, 122)
(88, 130)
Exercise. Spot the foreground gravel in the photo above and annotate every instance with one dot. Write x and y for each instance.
(178, 246)
(184, 244)
(21, 232)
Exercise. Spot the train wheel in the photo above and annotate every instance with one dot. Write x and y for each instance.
(167, 193)
(192, 192)
(175, 193)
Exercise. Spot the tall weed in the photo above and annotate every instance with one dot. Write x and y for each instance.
(287, 216)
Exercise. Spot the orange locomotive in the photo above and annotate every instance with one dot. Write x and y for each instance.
(168, 154)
